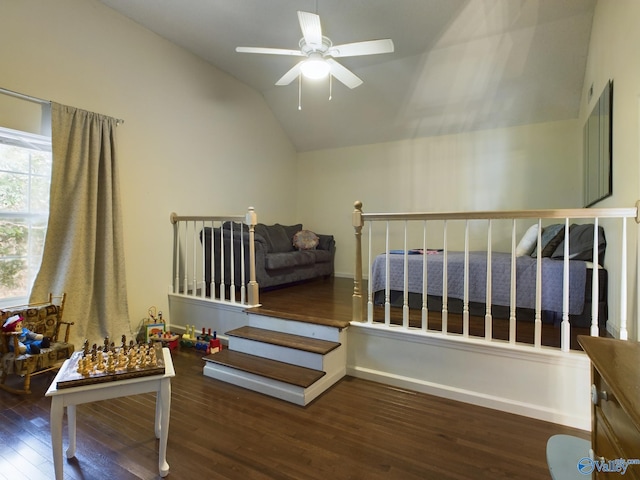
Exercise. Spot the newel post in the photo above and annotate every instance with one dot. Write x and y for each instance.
(357, 280)
(251, 220)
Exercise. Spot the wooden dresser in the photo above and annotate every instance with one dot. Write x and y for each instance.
(615, 412)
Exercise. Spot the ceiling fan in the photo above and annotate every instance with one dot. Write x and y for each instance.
(320, 53)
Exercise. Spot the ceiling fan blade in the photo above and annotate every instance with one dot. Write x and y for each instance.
(343, 74)
(370, 47)
(291, 75)
(269, 51)
(311, 29)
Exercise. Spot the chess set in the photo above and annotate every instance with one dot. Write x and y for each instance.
(107, 363)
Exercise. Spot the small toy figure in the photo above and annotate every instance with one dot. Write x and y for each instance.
(28, 341)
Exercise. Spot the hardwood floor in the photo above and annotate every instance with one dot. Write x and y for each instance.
(356, 430)
(332, 298)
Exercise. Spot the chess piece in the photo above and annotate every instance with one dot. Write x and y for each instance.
(122, 360)
(111, 367)
(132, 359)
(100, 360)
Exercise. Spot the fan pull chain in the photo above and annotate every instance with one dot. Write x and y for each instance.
(299, 91)
(330, 85)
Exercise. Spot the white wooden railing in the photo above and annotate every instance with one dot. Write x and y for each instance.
(189, 254)
(398, 229)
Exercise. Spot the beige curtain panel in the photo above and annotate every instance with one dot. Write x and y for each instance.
(83, 252)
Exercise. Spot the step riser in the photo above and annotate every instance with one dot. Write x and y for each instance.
(310, 330)
(277, 352)
(283, 391)
(273, 388)
(329, 363)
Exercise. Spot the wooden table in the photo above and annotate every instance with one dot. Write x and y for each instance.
(72, 396)
(615, 406)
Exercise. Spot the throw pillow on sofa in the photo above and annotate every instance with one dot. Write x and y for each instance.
(305, 240)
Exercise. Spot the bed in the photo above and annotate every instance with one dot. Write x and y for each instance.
(581, 273)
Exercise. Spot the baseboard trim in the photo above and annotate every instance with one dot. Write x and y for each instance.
(474, 398)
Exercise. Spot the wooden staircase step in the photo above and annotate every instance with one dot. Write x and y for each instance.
(298, 317)
(284, 372)
(298, 342)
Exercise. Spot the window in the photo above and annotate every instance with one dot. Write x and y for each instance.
(25, 178)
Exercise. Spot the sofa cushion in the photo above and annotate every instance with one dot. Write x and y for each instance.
(321, 256)
(280, 241)
(275, 261)
(279, 237)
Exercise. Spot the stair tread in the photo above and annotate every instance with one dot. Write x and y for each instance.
(297, 317)
(298, 342)
(283, 372)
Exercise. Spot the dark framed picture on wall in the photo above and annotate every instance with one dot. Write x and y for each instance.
(598, 149)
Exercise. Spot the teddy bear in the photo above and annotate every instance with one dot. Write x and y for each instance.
(28, 341)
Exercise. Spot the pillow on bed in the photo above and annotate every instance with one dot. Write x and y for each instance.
(581, 243)
(551, 237)
(528, 241)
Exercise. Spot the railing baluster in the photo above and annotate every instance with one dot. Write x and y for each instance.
(176, 236)
(185, 286)
(243, 287)
(624, 334)
(488, 319)
(445, 281)
(212, 259)
(537, 330)
(232, 263)
(222, 293)
(512, 300)
(425, 307)
(203, 290)
(595, 280)
(387, 291)
(465, 293)
(369, 282)
(565, 330)
(405, 293)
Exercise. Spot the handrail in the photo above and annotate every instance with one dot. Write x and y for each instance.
(359, 218)
(507, 214)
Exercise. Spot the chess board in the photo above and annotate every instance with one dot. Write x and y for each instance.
(69, 376)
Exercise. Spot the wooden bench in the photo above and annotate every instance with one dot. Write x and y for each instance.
(44, 318)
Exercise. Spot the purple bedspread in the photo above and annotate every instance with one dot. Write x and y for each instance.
(552, 278)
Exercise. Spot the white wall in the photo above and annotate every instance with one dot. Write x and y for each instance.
(613, 54)
(527, 167)
(189, 128)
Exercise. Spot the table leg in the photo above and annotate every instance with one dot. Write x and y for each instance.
(71, 427)
(158, 420)
(163, 403)
(55, 425)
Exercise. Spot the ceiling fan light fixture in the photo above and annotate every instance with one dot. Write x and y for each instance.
(315, 68)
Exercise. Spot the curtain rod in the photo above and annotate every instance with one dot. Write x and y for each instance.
(41, 101)
(29, 98)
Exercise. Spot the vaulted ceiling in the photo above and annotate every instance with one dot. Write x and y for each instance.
(458, 65)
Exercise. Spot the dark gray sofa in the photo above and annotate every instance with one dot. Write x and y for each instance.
(278, 262)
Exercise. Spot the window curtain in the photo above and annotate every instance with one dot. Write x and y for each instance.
(83, 252)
